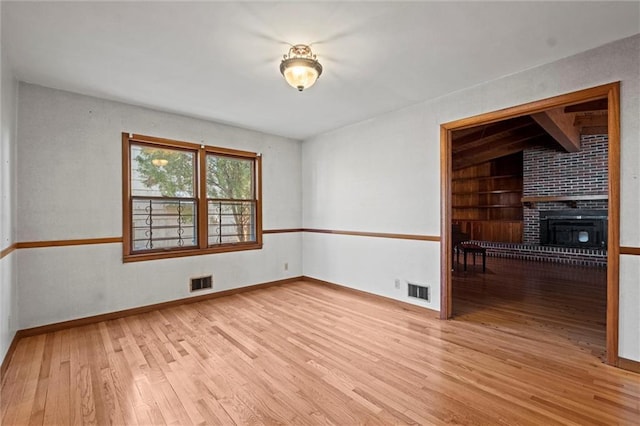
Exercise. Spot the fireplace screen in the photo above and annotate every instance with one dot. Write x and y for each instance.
(574, 228)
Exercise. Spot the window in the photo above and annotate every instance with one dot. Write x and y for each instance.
(184, 199)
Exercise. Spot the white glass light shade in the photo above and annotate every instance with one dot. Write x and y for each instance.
(300, 73)
(300, 67)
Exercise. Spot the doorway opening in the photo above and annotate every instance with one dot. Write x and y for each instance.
(507, 206)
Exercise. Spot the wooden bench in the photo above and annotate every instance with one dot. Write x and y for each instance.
(473, 249)
(457, 237)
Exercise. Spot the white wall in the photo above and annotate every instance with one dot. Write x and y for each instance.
(8, 276)
(70, 186)
(376, 176)
(382, 175)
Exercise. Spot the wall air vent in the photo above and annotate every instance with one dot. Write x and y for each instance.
(201, 283)
(419, 292)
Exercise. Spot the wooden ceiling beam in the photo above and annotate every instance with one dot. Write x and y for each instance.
(489, 153)
(464, 139)
(595, 130)
(560, 126)
(523, 134)
(465, 162)
(597, 105)
(582, 120)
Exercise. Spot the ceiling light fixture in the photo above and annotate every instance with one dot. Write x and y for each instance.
(158, 162)
(300, 67)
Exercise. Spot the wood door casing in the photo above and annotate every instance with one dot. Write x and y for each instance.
(610, 92)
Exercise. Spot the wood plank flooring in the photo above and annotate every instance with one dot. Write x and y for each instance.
(566, 303)
(305, 353)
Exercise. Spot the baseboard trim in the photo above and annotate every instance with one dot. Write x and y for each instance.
(628, 364)
(48, 328)
(376, 297)
(79, 322)
(8, 356)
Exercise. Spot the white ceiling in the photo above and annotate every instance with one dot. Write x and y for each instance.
(219, 60)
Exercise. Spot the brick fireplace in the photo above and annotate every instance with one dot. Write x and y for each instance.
(549, 173)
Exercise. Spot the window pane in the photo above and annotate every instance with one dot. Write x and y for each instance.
(160, 172)
(174, 187)
(160, 224)
(229, 178)
(231, 222)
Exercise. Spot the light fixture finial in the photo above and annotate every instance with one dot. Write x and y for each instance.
(300, 67)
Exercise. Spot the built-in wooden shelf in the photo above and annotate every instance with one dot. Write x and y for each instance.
(569, 199)
(486, 177)
(497, 191)
(485, 199)
(489, 206)
(485, 220)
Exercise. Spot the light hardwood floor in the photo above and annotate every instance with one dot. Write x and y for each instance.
(304, 353)
(567, 303)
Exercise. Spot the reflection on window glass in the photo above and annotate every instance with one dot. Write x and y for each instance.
(158, 172)
(230, 204)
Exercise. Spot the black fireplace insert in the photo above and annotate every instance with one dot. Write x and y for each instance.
(574, 228)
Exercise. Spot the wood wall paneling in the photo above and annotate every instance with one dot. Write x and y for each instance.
(485, 199)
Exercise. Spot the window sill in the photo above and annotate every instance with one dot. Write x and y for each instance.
(173, 253)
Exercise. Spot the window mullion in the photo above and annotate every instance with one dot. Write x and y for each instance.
(257, 196)
(203, 205)
(127, 236)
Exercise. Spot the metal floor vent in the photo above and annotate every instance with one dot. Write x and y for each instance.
(419, 292)
(201, 283)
